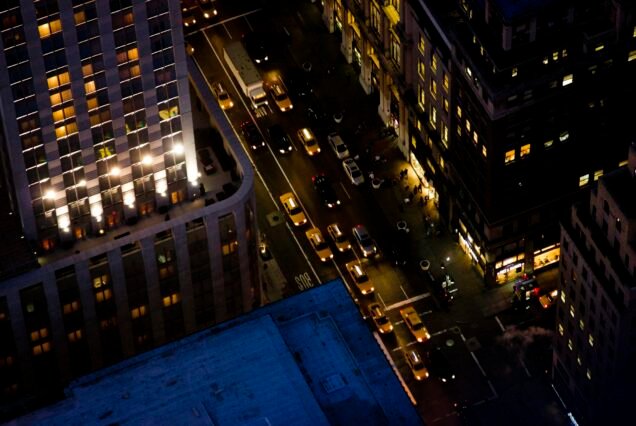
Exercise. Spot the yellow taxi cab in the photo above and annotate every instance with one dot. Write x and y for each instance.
(416, 364)
(339, 238)
(279, 93)
(293, 209)
(319, 244)
(360, 277)
(382, 323)
(415, 324)
(308, 140)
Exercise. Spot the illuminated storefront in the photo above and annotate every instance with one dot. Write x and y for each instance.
(428, 190)
(546, 256)
(510, 268)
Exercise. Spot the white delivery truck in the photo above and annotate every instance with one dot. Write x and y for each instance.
(245, 73)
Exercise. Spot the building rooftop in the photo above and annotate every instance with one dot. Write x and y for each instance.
(511, 9)
(306, 360)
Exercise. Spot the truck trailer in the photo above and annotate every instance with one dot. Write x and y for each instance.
(245, 73)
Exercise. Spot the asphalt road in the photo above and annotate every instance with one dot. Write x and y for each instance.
(489, 362)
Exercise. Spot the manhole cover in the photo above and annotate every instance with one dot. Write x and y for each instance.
(274, 218)
(472, 344)
(449, 342)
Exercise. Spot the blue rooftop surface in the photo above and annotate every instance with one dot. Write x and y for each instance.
(511, 9)
(306, 360)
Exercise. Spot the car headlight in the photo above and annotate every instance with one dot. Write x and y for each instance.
(289, 149)
(266, 58)
(329, 205)
(338, 202)
(282, 151)
(258, 61)
(443, 380)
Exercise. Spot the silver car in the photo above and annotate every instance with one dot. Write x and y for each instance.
(365, 242)
(353, 171)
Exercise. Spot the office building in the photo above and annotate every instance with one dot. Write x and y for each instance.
(268, 372)
(122, 243)
(505, 109)
(595, 339)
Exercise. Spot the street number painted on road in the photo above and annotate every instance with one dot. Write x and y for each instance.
(303, 281)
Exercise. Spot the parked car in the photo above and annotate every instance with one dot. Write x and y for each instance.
(293, 209)
(298, 84)
(319, 244)
(399, 247)
(279, 139)
(308, 141)
(252, 135)
(363, 239)
(415, 324)
(207, 9)
(338, 146)
(440, 367)
(360, 277)
(338, 237)
(379, 318)
(257, 47)
(189, 19)
(221, 95)
(352, 171)
(416, 364)
(205, 157)
(325, 191)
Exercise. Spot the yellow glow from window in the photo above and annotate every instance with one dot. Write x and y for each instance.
(572, 311)
(515, 72)
(589, 374)
(525, 150)
(58, 80)
(590, 340)
(510, 156)
(584, 180)
(434, 62)
(598, 174)
(484, 151)
(631, 56)
(87, 69)
(581, 324)
(567, 80)
(135, 70)
(446, 82)
(422, 43)
(570, 344)
(92, 103)
(45, 30)
(560, 327)
(89, 86)
(80, 17)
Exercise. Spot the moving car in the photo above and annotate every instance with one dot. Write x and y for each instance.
(252, 135)
(549, 298)
(339, 238)
(257, 47)
(205, 157)
(293, 209)
(416, 364)
(364, 240)
(415, 324)
(379, 318)
(281, 98)
(360, 277)
(308, 140)
(325, 190)
(439, 365)
(207, 9)
(319, 244)
(338, 146)
(189, 20)
(298, 84)
(279, 139)
(353, 171)
(221, 95)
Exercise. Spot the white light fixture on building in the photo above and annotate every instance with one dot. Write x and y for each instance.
(115, 171)
(147, 160)
(49, 195)
(129, 199)
(177, 148)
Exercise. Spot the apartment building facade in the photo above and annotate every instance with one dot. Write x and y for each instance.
(595, 339)
(130, 249)
(500, 108)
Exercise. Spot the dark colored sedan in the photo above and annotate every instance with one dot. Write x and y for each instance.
(252, 135)
(325, 190)
(399, 247)
(440, 366)
(298, 84)
(279, 140)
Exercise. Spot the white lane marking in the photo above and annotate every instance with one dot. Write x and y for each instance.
(399, 348)
(437, 333)
(303, 252)
(404, 292)
(407, 301)
(381, 301)
(492, 388)
(494, 392)
(345, 190)
(500, 324)
(478, 364)
(227, 31)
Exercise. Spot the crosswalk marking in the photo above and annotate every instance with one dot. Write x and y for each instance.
(407, 301)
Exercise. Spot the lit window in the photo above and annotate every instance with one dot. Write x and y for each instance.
(572, 311)
(570, 344)
(71, 307)
(590, 339)
(555, 55)
(137, 312)
(567, 79)
(171, 300)
(74, 336)
(469, 72)
(100, 281)
(421, 96)
(421, 69)
(589, 374)
(545, 61)
(548, 144)
(41, 348)
(515, 72)
(510, 156)
(525, 150)
(446, 83)
(634, 33)
(102, 296)
(445, 134)
(584, 180)
(90, 87)
(422, 44)
(581, 324)
(579, 361)
(39, 334)
(475, 137)
(434, 62)
(80, 17)
(599, 48)
(484, 151)
(459, 111)
(467, 126)
(434, 88)
(446, 105)
(563, 136)
(433, 117)
(49, 28)
(631, 56)
(58, 80)
(560, 327)
(564, 53)
(562, 296)
(598, 174)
